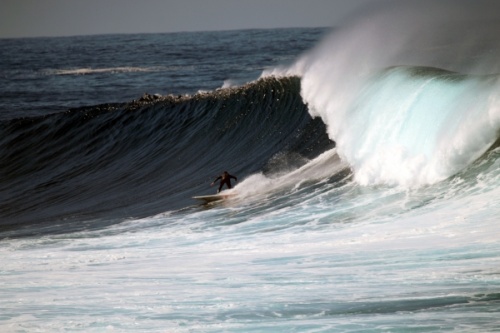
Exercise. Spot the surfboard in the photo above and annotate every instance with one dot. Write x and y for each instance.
(214, 197)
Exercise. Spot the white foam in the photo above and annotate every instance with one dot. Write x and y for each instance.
(322, 167)
(205, 268)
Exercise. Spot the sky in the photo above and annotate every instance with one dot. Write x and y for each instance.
(36, 18)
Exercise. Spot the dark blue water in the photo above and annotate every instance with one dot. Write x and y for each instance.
(44, 75)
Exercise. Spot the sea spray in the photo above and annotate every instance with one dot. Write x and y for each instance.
(396, 116)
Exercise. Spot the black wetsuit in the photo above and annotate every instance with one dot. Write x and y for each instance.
(225, 178)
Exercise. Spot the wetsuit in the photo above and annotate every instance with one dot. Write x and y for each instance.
(225, 178)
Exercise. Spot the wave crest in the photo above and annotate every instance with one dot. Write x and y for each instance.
(398, 119)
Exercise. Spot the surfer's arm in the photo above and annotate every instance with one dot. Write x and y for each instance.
(234, 177)
(216, 179)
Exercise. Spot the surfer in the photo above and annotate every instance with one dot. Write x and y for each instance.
(225, 178)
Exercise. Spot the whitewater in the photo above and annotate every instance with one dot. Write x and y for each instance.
(368, 161)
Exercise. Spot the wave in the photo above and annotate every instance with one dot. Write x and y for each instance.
(149, 155)
(417, 110)
(112, 70)
(398, 115)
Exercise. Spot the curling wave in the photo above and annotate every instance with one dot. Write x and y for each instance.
(417, 110)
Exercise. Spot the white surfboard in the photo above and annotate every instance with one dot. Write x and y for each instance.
(214, 197)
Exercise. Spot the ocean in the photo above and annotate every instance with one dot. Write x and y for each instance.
(367, 158)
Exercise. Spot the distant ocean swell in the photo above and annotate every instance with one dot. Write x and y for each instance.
(150, 155)
(113, 70)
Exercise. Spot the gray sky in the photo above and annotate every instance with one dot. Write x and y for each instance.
(33, 18)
